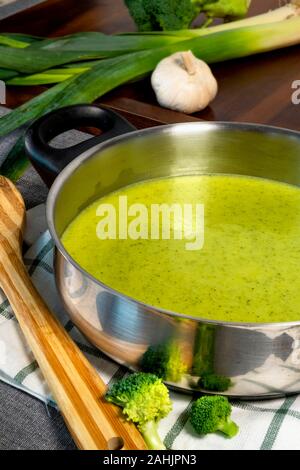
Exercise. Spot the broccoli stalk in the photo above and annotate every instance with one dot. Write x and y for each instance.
(229, 428)
(212, 414)
(165, 361)
(150, 434)
(168, 15)
(145, 401)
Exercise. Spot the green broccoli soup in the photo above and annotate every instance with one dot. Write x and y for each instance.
(245, 270)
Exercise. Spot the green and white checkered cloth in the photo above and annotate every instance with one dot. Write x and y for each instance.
(263, 424)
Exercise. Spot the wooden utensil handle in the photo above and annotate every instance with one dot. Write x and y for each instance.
(76, 387)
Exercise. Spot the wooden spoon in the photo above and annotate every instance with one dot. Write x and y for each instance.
(76, 386)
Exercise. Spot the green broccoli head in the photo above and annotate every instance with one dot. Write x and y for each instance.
(211, 414)
(214, 382)
(142, 396)
(172, 14)
(152, 15)
(165, 361)
(145, 400)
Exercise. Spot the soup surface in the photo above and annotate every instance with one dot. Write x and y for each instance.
(246, 271)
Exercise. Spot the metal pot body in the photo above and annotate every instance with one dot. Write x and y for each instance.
(262, 360)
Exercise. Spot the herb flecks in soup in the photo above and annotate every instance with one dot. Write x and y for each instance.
(247, 270)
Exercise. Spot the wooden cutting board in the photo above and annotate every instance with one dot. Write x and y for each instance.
(255, 89)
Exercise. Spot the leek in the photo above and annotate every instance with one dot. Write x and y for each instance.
(32, 109)
(16, 161)
(46, 78)
(7, 74)
(99, 42)
(11, 42)
(37, 58)
(25, 38)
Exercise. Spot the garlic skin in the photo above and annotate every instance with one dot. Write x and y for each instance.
(184, 83)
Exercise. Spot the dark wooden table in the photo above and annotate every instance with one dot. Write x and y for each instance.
(255, 89)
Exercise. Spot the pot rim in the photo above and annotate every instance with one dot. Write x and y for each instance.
(80, 160)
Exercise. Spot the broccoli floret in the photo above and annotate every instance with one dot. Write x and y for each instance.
(232, 9)
(165, 361)
(155, 15)
(145, 400)
(211, 414)
(172, 14)
(152, 15)
(139, 14)
(214, 382)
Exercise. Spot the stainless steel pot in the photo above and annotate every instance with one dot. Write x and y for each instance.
(262, 360)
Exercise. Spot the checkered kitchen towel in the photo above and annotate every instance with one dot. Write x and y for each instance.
(263, 424)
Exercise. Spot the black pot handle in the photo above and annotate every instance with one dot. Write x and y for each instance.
(48, 160)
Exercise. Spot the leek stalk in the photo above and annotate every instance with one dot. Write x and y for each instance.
(48, 77)
(37, 58)
(11, 42)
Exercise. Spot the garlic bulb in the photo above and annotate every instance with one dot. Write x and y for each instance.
(184, 83)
